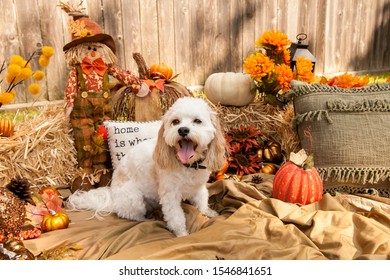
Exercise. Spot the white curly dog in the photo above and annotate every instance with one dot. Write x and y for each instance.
(166, 170)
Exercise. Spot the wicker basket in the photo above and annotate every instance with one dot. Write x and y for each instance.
(350, 133)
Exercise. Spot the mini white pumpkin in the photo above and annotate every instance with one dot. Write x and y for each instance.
(229, 88)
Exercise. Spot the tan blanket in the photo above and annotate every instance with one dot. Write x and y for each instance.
(251, 225)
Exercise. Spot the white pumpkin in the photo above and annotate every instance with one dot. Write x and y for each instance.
(228, 88)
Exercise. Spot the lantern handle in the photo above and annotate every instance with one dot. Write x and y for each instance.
(301, 37)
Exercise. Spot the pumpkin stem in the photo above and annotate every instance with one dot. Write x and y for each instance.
(309, 163)
(302, 159)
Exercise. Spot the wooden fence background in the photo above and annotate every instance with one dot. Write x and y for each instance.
(200, 37)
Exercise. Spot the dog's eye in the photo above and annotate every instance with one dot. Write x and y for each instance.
(197, 121)
(175, 122)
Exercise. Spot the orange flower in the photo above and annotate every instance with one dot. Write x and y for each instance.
(346, 81)
(284, 76)
(258, 65)
(286, 57)
(273, 39)
(304, 70)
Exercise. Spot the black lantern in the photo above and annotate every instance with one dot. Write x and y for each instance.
(301, 50)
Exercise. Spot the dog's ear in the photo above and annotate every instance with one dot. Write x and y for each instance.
(163, 155)
(218, 150)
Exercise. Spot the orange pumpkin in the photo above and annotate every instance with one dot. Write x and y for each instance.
(298, 181)
(55, 221)
(6, 127)
(160, 71)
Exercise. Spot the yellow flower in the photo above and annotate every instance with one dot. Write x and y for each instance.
(18, 60)
(273, 39)
(44, 60)
(7, 97)
(14, 70)
(47, 51)
(38, 75)
(258, 65)
(11, 79)
(34, 89)
(85, 33)
(25, 73)
(304, 68)
(284, 76)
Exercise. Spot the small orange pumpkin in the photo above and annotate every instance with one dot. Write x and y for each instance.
(6, 127)
(55, 221)
(160, 71)
(298, 181)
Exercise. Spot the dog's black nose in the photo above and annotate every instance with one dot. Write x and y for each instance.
(183, 131)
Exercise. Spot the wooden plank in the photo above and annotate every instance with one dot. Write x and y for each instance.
(182, 41)
(224, 22)
(29, 30)
(249, 27)
(9, 41)
(9, 37)
(266, 16)
(197, 38)
(131, 32)
(210, 36)
(317, 35)
(95, 10)
(149, 31)
(53, 35)
(235, 36)
(113, 26)
(166, 36)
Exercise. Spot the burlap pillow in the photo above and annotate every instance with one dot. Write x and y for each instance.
(350, 133)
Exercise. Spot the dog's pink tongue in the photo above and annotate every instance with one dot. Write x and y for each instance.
(186, 151)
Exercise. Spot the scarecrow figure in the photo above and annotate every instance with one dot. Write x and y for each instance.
(91, 54)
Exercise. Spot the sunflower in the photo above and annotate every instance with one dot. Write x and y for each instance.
(246, 137)
(241, 162)
(243, 144)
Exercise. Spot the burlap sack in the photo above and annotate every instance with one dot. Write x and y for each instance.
(350, 133)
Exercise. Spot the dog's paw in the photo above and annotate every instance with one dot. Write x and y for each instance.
(180, 233)
(210, 213)
(178, 230)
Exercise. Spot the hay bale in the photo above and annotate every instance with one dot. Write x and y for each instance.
(41, 148)
(274, 123)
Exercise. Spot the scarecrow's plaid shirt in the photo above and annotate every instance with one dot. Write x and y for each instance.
(94, 82)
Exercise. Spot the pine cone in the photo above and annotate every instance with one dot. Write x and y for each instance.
(21, 188)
